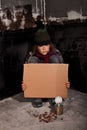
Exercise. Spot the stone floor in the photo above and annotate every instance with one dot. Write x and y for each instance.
(17, 113)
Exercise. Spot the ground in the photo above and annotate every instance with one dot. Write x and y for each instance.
(17, 113)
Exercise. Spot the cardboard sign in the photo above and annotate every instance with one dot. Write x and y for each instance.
(45, 80)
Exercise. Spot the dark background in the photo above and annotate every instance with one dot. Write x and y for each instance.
(70, 38)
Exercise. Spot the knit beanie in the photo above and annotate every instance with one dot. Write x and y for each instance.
(42, 37)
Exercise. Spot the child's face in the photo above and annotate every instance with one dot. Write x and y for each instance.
(44, 49)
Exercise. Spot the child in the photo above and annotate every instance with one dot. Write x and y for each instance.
(43, 52)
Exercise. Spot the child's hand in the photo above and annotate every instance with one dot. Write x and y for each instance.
(23, 87)
(68, 85)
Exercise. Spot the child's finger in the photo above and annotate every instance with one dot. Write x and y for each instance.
(68, 84)
(23, 87)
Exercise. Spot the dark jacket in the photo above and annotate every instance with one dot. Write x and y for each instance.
(30, 55)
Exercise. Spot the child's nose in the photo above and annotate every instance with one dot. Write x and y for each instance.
(43, 48)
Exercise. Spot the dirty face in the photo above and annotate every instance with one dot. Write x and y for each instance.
(44, 49)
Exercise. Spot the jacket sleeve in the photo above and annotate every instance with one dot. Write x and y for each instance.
(59, 56)
(28, 58)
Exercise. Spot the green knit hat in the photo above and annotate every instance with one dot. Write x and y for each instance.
(42, 37)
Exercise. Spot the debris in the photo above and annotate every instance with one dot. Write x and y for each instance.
(46, 117)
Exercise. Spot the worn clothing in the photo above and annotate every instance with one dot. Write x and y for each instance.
(51, 57)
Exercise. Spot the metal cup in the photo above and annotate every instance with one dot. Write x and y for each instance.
(59, 109)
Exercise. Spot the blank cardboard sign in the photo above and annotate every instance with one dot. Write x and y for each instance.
(45, 80)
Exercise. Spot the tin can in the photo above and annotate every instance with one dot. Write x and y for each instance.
(59, 109)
